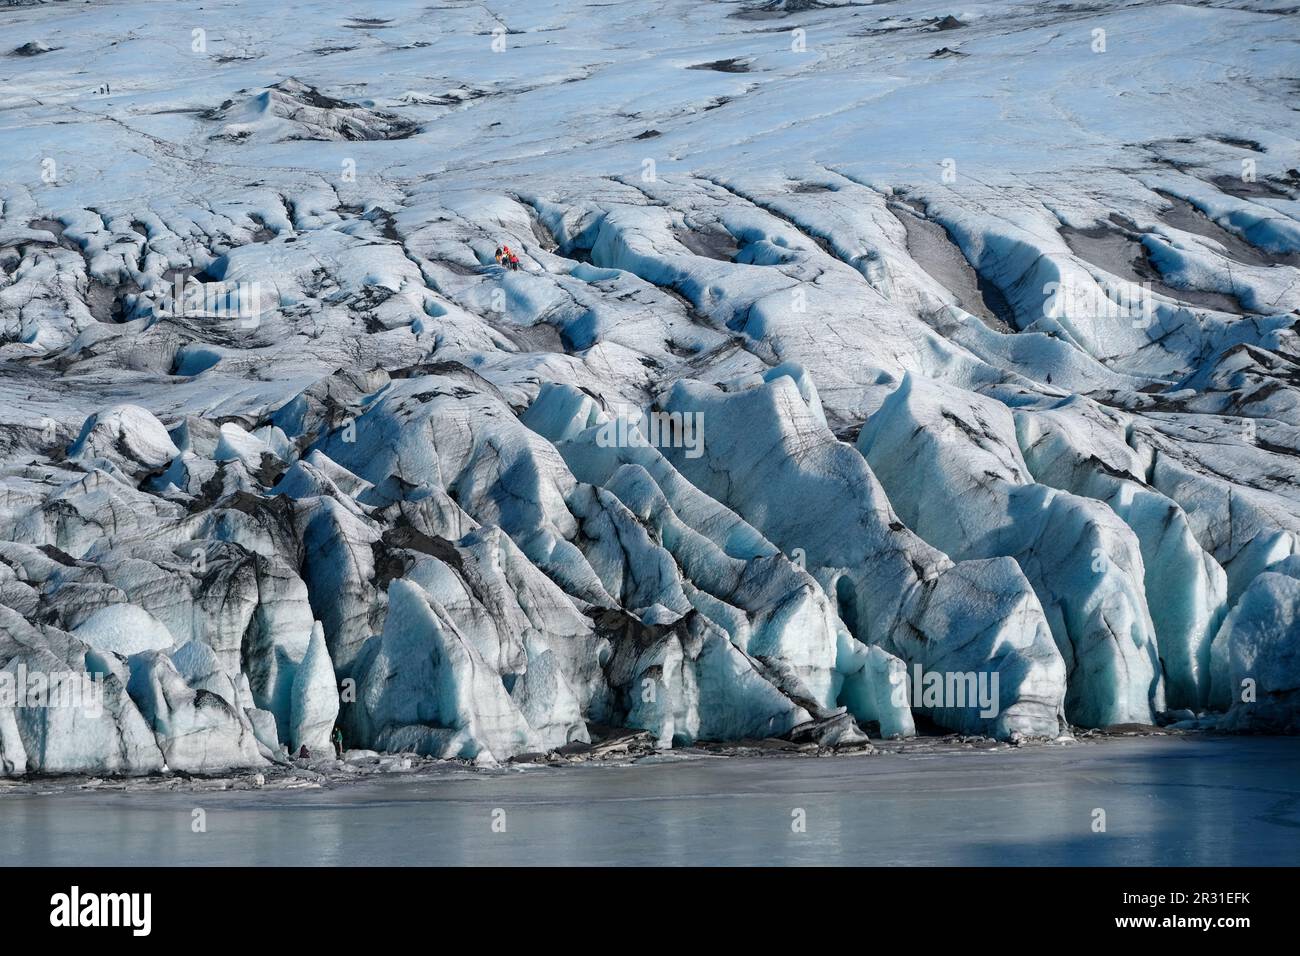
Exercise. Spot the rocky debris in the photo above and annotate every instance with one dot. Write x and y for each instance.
(838, 730)
(614, 748)
(33, 48)
(292, 109)
(730, 65)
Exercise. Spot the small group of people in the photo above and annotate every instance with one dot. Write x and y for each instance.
(506, 258)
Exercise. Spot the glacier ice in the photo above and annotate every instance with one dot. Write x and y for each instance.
(768, 447)
(314, 699)
(1079, 448)
(978, 501)
(801, 406)
(196, 729)
(1256, 660)
(427, 689)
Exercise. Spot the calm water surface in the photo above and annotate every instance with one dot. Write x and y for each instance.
(1168, 801)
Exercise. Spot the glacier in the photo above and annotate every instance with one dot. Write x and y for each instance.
(848, 368)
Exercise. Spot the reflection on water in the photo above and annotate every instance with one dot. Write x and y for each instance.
(1176, 801)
